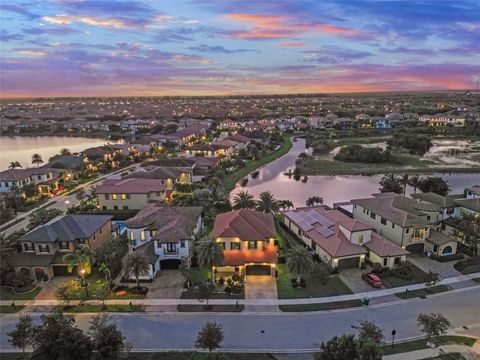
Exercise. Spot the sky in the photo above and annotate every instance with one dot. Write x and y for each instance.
(229, 47)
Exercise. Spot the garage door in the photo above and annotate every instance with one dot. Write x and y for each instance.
(259, 270)
(61, 270)
(170, 264)
(348, 263)
(415, 248)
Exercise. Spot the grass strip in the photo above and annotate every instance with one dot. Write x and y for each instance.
(320, 307)
(422, 292)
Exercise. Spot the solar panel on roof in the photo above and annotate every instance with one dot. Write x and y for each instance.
(321, 219)
(325, 232)
(305, 216)
(304, 225)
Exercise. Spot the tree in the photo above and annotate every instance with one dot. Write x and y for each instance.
(108, 342)
(102, 291)
(37, 159)
(391, 183)
(434, 184)
(414, 181)
(65, 152)
(210, 336)
(22, 336)
(105, 270)
(267, 203)
(81, 257)
(321, 273)
(58, 338)
(42, 216)
(136, 264)
(209, 253)
(185, 268)
(405, 180)
(338, 348)
(244, 200)
(285, 204)
(433, 325)
(314, 201)
(368, 350)
(431, 279)
(67, 291)
(299, 261)
(367, 330)
(14, 165)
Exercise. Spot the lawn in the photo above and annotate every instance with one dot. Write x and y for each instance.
(422, 292)
(86, 308)
(320, 307)
(314, 288)
(391, 281)
(468, 266)
(6, 293)
(199, 276)
(231, 179)
(7, 309)
(420, 344)
(213, 308)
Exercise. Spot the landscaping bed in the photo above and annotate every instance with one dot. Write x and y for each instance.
(320, 307)
(422, 292)
(6, 293)
(406, 276)
(313, 288)
(86, 308)
(468, 266)
(211, 308)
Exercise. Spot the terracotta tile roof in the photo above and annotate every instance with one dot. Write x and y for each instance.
(238, 138)
(242, 257)
(160, 172)
(20, 174)
(244, 224)
(355, 225)
(130, 186)
(382, 247)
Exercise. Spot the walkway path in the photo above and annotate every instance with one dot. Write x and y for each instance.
(386, 293)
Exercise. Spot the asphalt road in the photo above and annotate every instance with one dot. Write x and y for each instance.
(280, 331)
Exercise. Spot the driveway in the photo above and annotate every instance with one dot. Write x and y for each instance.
(167, 285)
(445, 269)
(49, 288)
(260, 287)
(353, 279)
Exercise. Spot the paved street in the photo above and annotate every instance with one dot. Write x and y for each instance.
(280, 331)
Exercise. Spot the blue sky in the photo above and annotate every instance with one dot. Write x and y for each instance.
(114, 48)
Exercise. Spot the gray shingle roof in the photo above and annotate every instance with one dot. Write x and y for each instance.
(67, 228)
(442, 201)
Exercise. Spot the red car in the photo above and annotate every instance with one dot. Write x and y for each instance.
(372, 279)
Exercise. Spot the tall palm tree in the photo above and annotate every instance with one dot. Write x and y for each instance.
(105, 270)
(314, 201)
(209, 253)
(414, 181)
(391, 183)
(285, 204)
(244, 200)
(218, 200)
(65, 151)
(299, 261)
(14, 165)
(405, 180)
(37, 159)
(82, 257)
(267, 203)
(136, 264)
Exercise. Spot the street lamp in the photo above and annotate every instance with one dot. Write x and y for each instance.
(82, 272)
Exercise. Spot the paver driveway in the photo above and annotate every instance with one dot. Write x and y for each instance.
(353, 279)
(260, 287)
(445, 269)
(168, 284)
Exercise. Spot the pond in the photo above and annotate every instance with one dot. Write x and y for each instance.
(338, 188)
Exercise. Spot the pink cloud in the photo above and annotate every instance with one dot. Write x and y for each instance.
(291, 44)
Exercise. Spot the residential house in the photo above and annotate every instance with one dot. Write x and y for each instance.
(248, 240)
(447, 119)
(129, 193)
(168, 175)
(45, 179)
(164, 234)
(208, 150)
(340, 241)
(408, 223)
(43, 248)
(446, 204)
(256, 136)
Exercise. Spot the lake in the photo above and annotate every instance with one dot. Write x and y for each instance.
(21, 148)
(338, 188)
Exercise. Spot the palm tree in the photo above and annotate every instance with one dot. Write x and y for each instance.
(14, 165)
(299, 261)
(391, 183)
(285, 204)
(405, 180)
(82, 257)
(414, 181)
(105, 269)
(65, 151)
(37, 159)
(244, 200)
(314, 201)
(218, 200)
(267, 203)
(209, 253)
(136, 264)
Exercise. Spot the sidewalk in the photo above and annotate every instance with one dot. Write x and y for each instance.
(264, 302)
(467, 352)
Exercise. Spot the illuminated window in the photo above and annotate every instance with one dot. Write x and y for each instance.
(360, 239)
(142, 235)
(131, 235)
(114, 196)
(124, 196)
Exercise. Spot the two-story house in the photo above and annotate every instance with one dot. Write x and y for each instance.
(167, 175)
(340, 241)
(45, 179)
(129, 193)
(248, 240)
(164, 234)
(43, 248)
(408, 223)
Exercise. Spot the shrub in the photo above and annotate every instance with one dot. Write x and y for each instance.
(402, 272)
(282, 259)
(236, 278)
(228, 289)
(445, 258)
(221, 280)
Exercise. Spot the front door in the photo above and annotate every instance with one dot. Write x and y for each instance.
(39, 274)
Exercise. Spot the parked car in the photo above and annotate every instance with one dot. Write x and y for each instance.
(372, 279)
